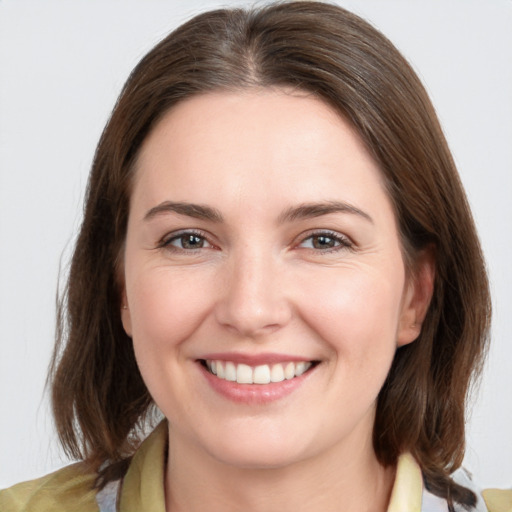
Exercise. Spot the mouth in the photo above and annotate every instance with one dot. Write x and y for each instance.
(261, 374)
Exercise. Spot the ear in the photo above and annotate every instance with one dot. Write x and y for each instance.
(126, 318)
(418, 291)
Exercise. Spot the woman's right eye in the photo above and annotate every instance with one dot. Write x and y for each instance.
(186, 241)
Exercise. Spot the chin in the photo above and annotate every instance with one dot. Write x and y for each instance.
(259, 450)
(257, 458)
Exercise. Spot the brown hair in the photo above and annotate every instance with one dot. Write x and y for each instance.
(100, 401)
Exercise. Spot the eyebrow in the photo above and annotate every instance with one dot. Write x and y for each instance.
(302, 211)
(197, 211)
(310, 210)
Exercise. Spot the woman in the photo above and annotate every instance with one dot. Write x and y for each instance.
(276, 252)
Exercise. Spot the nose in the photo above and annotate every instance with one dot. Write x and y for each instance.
(253, 301)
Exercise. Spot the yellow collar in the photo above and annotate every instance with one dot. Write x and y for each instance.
(143, 485)
(407, 490)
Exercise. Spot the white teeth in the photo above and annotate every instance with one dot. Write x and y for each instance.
(277, 373)
(244, 374)
(262, 374)
(230, 371)
(300, 368)
(289, 371)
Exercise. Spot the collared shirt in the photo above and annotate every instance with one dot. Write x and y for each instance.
(142, 488)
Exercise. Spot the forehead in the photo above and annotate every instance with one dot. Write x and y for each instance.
(256, 141)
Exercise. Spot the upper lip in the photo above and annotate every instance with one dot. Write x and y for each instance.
(254, 359)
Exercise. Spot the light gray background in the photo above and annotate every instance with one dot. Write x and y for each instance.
(62, 65)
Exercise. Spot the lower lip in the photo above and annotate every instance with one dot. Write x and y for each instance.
(254, 393)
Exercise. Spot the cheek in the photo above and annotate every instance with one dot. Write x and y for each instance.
(355, 310)
(166, 306)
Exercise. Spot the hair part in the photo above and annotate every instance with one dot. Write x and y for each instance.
(101, 404)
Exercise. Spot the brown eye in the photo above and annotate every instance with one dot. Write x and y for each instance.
(325, 242)
(191, 242)
(187, 241)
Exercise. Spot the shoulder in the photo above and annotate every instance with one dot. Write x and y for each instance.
(70, 488)
(411, 493)
(488, 500)
(498, 500)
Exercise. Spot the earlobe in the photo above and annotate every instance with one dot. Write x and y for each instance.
(417, 296)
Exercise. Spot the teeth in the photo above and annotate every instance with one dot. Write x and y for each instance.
(220, 370)
(300, 368)
(244, 374)
(230, 371)
(277, 373)
(262, 374)
(289, 371)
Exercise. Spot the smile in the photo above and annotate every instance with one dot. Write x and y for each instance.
(261, 374)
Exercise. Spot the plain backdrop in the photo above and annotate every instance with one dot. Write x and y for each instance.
(62, 65)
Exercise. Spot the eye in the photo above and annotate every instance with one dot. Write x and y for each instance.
(325, 241)
(186, 241)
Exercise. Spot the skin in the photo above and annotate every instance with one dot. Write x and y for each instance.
(260, 283)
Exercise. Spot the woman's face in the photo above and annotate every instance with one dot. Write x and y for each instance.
(261, 244)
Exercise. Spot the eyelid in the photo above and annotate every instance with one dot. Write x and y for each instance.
(165, 241)
(344, 241)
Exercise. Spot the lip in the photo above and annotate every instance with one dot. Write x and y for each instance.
(254, 394)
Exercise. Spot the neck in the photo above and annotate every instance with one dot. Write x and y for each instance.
(349, 480)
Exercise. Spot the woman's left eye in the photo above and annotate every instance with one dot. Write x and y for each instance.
(325, 242)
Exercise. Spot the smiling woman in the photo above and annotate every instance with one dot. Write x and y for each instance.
(270, 255)
(216, 302)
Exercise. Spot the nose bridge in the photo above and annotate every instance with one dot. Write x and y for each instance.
(254, 300)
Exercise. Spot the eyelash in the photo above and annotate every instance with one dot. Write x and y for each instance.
(166, 242)
(341, 242)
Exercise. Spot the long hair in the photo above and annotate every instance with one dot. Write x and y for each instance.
(99, 398)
